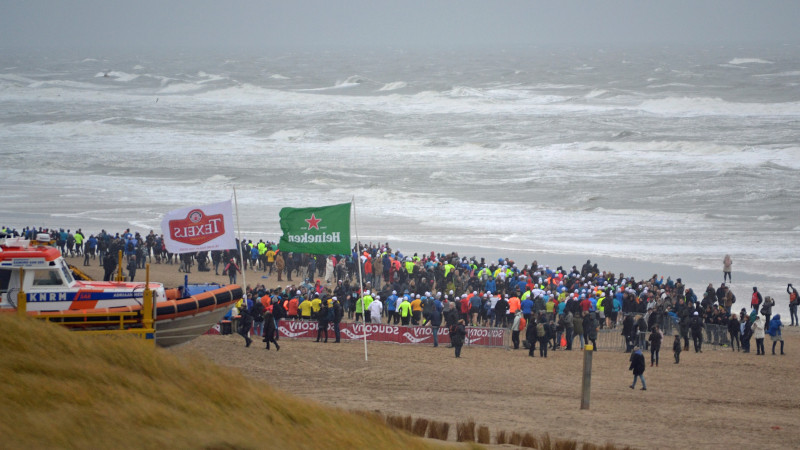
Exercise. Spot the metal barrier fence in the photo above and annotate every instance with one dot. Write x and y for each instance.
(715, 337)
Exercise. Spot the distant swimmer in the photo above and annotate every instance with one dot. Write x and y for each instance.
(105, 74)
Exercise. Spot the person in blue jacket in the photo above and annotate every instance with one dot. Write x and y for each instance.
(391, 309)
(490, 285)
(527, 307)
(774, 331)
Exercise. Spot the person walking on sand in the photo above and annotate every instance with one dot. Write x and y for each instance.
(637, 366)
(735, 331)
(758, 333)
(515, 329)
(726, 269)
(532, 337)
(279, 265)
(457, 334)
(676, 348)
(766, 308)
(655, 344)
(544, 332)
(435, 321)
(774, 332)
(246, 321)
(696, 325)
(322, 322)
(269, 330)
(794, 299)
(231, 269)
(338, 313)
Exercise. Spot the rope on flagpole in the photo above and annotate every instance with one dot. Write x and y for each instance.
(360, 280)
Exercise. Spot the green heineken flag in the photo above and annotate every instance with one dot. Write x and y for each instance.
(322, 231)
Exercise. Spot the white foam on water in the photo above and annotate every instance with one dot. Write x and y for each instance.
(741, 61)
(705, 106)
(179, 88)
(393, 86)
(208, 78)
(596, 93)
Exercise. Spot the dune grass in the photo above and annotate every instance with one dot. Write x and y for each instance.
(61, 389)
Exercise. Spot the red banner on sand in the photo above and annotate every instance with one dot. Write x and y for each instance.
(485, 337)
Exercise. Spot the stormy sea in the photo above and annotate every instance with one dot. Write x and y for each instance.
(657, 160)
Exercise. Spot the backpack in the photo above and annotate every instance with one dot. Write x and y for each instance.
(766, 307)
(130, 247)
(540, 331)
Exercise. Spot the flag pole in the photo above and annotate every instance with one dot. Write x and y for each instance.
(239, 250)
(360, 280)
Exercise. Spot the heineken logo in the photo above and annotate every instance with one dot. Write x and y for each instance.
(308, 238)
(197, 228)
(313, 222)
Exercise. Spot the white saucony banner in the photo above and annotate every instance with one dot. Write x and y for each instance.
(199, 228)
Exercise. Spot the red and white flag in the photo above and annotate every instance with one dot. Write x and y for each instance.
(199, 228)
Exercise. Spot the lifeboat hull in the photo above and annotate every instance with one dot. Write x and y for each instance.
(176, 321)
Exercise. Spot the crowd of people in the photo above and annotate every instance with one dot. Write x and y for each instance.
(551, 307)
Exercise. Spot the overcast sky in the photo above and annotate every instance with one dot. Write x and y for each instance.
(256, 24)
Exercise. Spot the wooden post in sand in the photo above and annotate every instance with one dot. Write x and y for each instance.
(586, 389)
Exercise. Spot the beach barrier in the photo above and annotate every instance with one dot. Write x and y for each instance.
(608, 339)
(399, 334)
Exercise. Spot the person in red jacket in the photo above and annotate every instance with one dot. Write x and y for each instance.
(756, 300)
(291, 310)
(464, 308)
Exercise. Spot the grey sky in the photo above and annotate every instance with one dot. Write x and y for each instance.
(256, 24)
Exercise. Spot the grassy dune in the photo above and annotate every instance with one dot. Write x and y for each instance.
(62, 389)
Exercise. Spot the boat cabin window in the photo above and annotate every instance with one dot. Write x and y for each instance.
(5, 277)
(67, 274)
(49, 277)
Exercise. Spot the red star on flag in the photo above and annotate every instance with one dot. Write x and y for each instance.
(313, 222)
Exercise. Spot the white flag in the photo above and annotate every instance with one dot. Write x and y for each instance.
(199, 228)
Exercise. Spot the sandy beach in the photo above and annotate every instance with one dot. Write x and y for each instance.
(716, 399)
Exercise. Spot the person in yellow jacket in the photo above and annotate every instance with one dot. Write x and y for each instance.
(316, 304)
(447, 268)
(601, 308)
(365, 301)
(270, 255)
(404, 309)
(305, 309)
